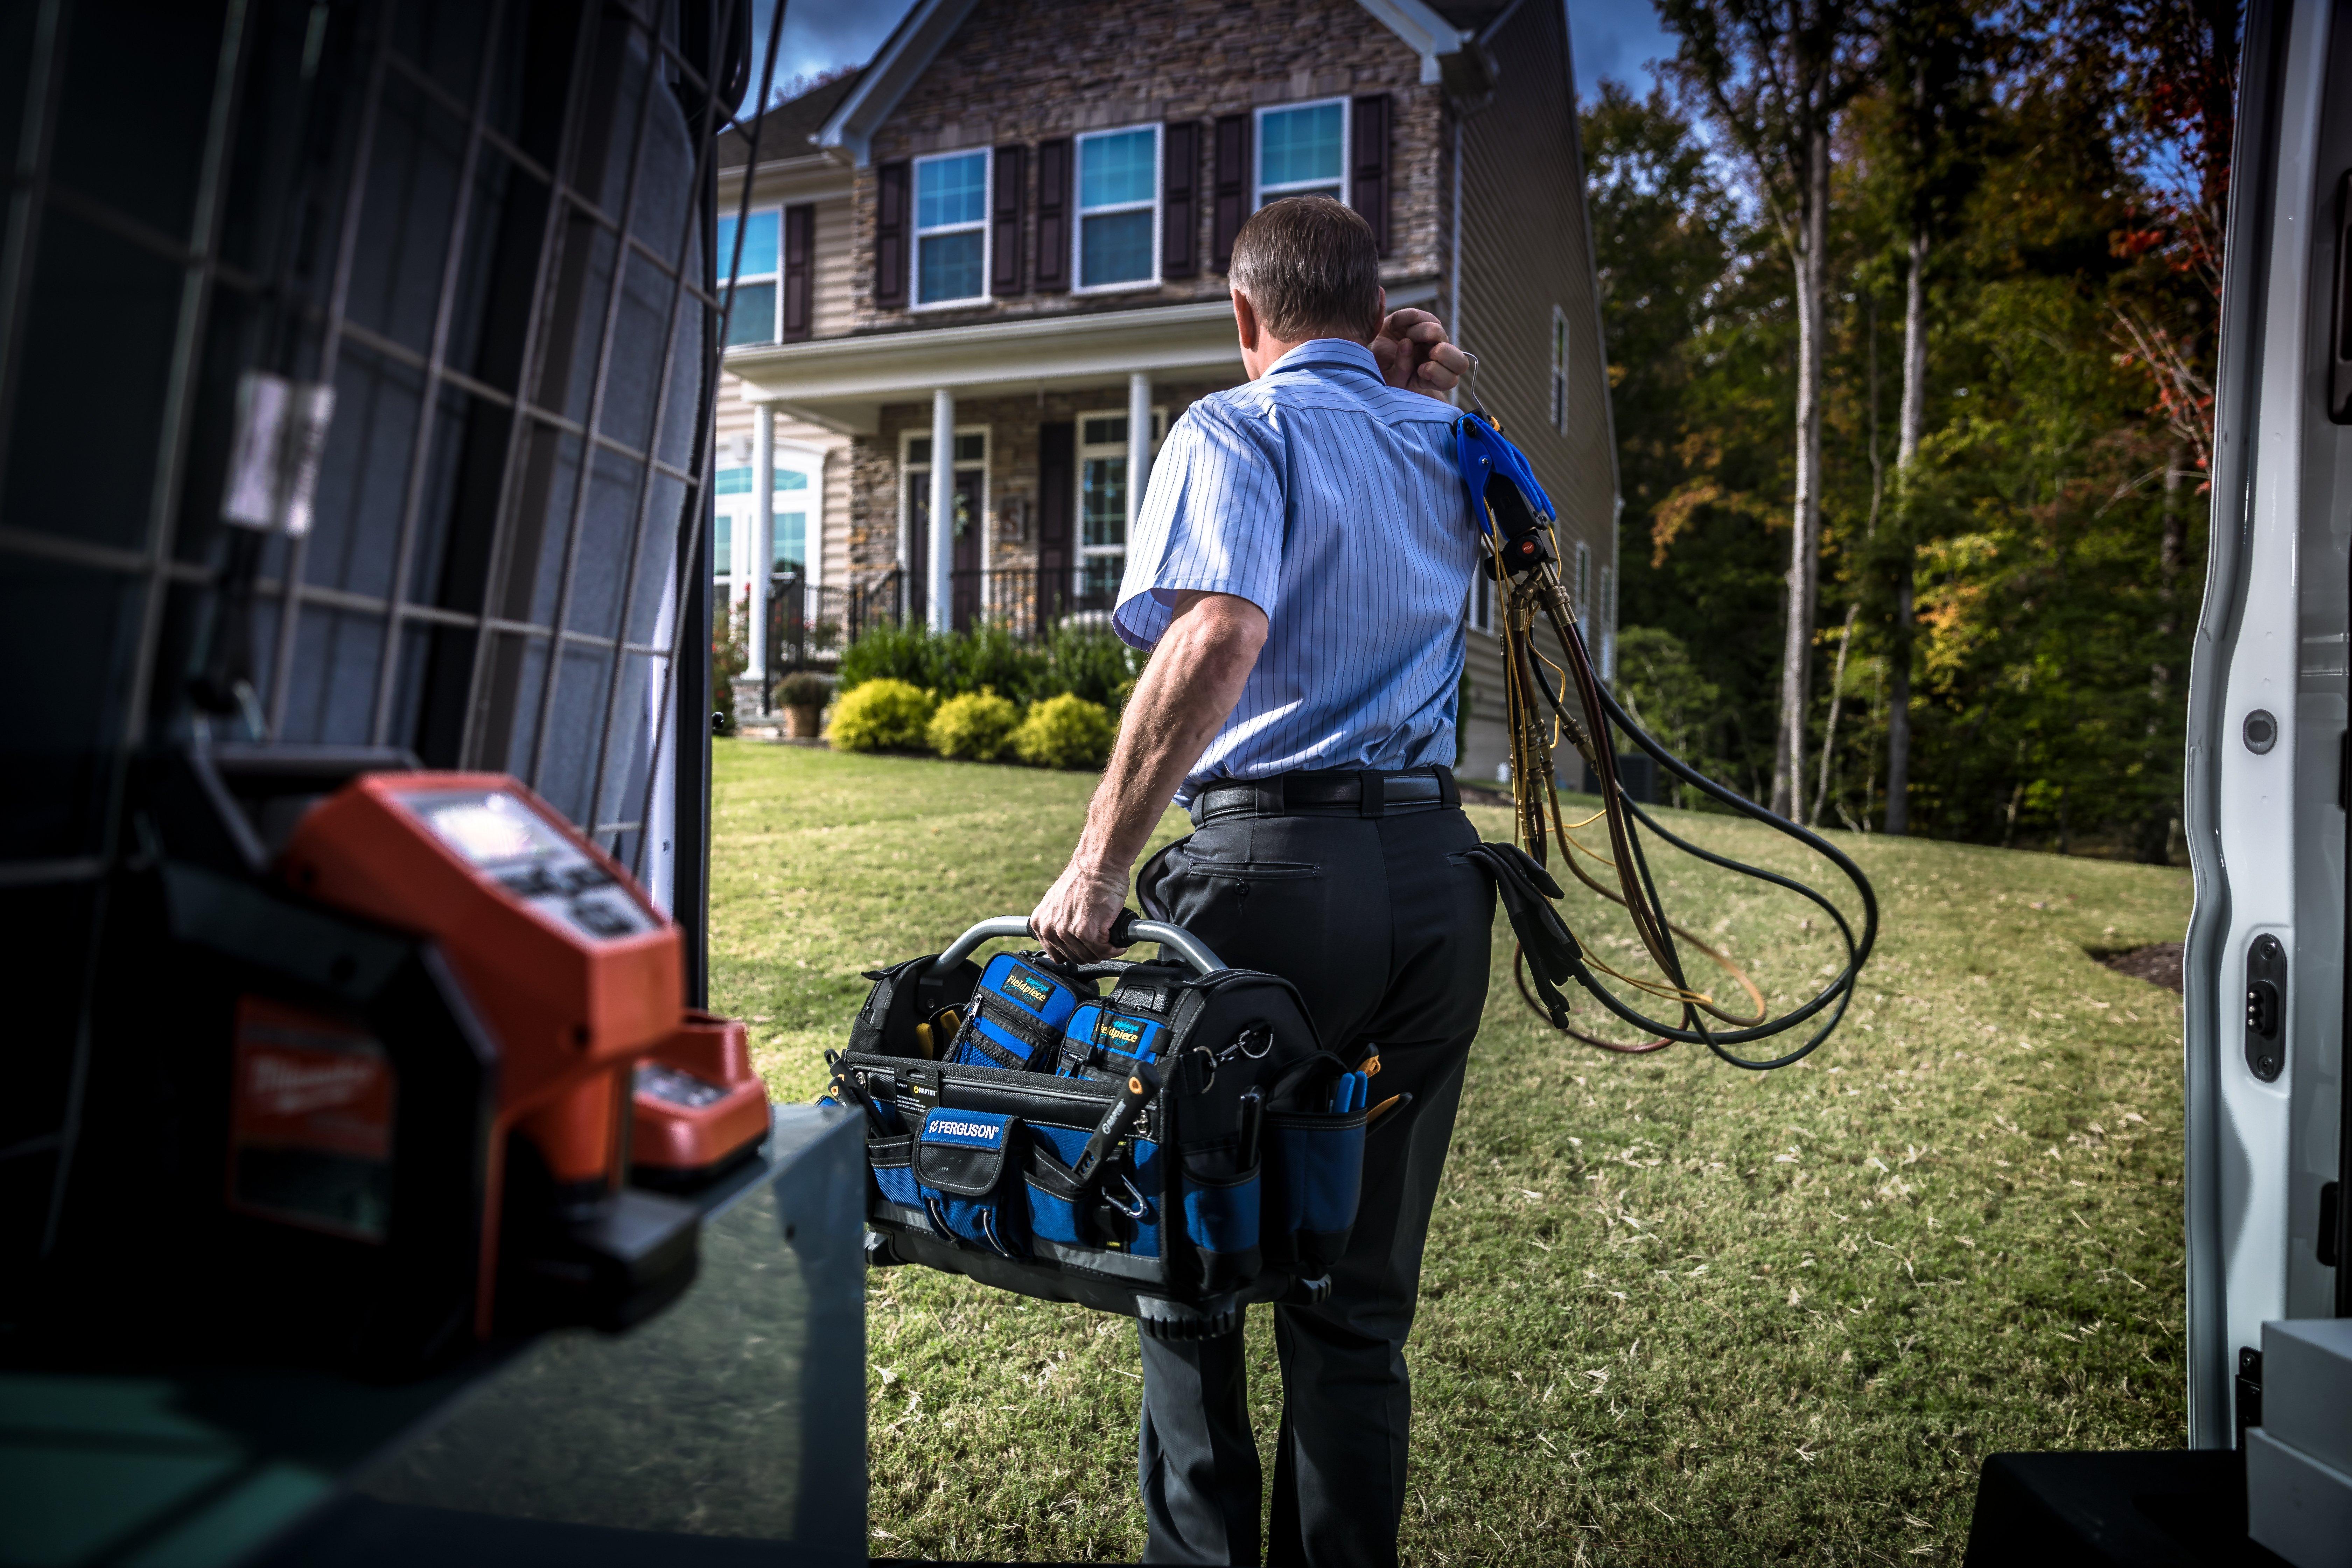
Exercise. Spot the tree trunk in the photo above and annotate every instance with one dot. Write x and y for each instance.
(2154, 835)
(1805, 547)
(1913, 423)
(1828, 730)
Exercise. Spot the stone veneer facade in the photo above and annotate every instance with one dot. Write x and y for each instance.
(1020, 71)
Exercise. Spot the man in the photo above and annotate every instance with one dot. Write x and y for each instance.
(1300, 569)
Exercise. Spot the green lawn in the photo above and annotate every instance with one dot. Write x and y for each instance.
(1673, 1312)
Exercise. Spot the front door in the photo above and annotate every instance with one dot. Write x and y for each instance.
(964, 604)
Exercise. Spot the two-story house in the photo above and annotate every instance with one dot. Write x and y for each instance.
(1004, 240)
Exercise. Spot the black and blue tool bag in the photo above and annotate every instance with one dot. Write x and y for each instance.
(1165, 1138)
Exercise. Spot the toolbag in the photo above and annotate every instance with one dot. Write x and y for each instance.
(1172, 1148)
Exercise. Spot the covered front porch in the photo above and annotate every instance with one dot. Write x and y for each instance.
(1050, 424)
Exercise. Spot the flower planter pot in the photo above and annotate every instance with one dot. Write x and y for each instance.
(800, 724)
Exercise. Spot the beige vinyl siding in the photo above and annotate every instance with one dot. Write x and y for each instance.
(832, 313)
(1524, 251)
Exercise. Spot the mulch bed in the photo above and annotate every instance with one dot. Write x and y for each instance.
(2158, 964)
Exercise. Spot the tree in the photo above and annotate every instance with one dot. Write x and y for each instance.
(1938, 86)
(1774, 75)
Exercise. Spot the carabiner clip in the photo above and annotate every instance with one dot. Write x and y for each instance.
(1142, 1207)
(1241, 1046)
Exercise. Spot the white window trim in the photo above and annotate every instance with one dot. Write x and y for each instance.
(1581, 586)
(776, 326)
(1558, 390)
(917, 231)
(1080, 551)
(1078, 210)
(742, 512)
(908, 469)
(1260, 192)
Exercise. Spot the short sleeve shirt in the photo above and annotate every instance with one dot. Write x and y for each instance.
(1331, 501)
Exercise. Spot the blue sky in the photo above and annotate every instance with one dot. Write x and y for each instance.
(1612, 38)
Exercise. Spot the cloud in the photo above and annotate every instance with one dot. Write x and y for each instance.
(821, 35)
(1616, 38)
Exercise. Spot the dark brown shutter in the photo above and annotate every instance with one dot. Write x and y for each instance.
(1233, 188)
(800, 263)
(1179, 210)
(890, 235)
(1005, 221)
(1058, 486)
(1368, 165)
(1050, 272)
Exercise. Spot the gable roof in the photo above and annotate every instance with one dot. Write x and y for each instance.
(789, 130)
(909, 50)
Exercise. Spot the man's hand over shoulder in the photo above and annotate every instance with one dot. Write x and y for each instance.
(1415, 354)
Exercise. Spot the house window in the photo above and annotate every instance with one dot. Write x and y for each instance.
(753, 318)
(1301, 151)
(1560, 370)
(736, 520)
(1119, 208)
(1581, 586)
(951, 228)
(1102, 503)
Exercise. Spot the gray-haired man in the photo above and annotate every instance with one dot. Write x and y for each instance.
(1300, 569)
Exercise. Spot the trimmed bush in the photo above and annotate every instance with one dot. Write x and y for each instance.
(1066, 732)
(882, 716)
(988, 658)
(1087, 661)
(975, 728)
(886, 652)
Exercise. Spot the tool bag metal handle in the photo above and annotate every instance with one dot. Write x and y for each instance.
(1129, 928)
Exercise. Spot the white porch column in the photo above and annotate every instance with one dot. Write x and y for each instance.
(940, 584)
(762, 553)
(1139, 444)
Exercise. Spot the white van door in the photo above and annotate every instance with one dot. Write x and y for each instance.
(2266, 962)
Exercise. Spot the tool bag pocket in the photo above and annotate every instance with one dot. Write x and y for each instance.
(963, 1162)
(892, 1161)
(1101, 1041)
(1317, 1177)
(1118, 1211)
(1221, 1217)
(1018, 1012)
(903, 995)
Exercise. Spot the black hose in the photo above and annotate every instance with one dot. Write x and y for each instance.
(1839, 990)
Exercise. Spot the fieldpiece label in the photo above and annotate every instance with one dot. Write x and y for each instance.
(1028, 987)
(1125, 1031)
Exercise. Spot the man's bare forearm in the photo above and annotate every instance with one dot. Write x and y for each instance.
(1194, 679)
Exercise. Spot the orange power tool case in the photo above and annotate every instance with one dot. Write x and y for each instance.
(571, 1011)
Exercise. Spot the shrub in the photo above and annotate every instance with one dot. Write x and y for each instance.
(988, 658)
(908, 653)
(803, 688)
(1087, 661)
(1066, 732)
(882, 716)
(975, 728)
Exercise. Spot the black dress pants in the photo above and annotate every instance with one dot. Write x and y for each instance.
(1385, 930)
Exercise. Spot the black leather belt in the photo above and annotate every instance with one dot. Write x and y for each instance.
(1362, 790)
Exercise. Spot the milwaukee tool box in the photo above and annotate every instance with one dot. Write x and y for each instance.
(1164, 1139)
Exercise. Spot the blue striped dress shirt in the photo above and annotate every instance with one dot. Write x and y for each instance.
(1330, 500)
